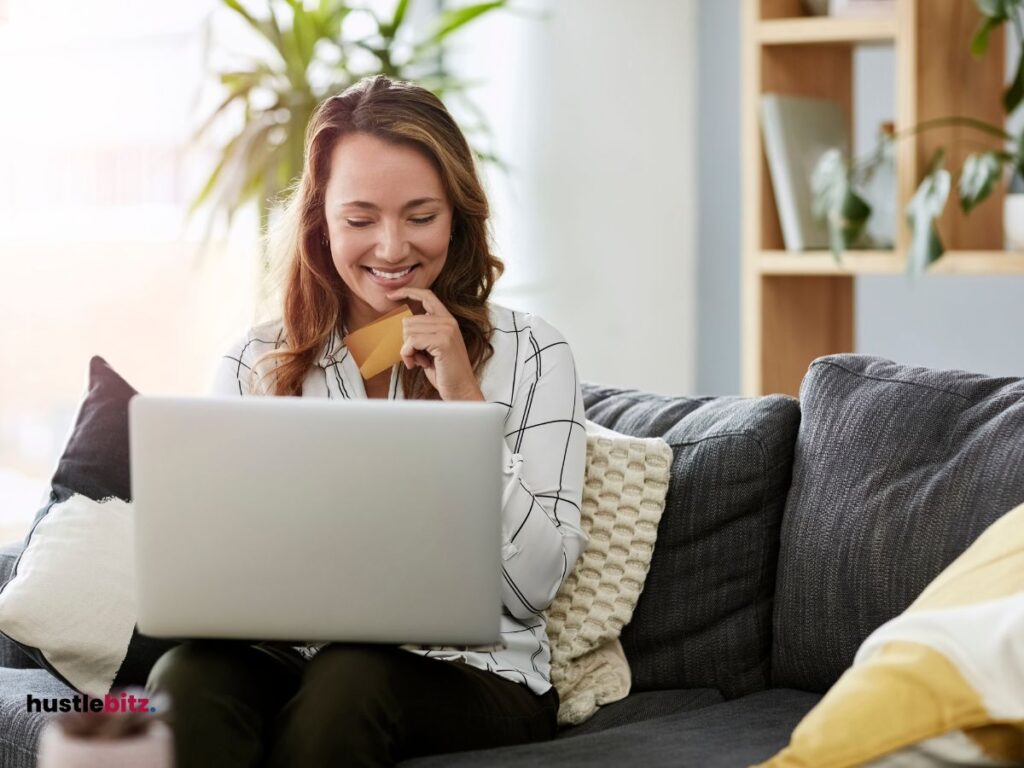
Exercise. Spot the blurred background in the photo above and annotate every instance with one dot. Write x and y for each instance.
(616, 190)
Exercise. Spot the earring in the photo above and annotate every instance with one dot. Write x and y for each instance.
(451, 237)
(324, 240)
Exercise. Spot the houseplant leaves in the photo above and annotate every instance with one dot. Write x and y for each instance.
(835, 200)
(924, 207)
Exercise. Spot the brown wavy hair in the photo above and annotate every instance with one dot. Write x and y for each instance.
(313, 293)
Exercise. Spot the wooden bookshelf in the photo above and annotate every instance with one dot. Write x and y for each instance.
(799, 306)
(823, 29)
(888, 262)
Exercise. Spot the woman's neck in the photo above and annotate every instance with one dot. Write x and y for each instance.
(357, 313)
(377, 387)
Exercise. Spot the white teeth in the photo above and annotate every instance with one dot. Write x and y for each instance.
(390, 275)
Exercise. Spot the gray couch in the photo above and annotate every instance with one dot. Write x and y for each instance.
(792, 530)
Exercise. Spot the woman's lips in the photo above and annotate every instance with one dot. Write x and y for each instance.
(393, 283)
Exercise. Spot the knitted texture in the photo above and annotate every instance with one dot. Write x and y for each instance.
(623, 500)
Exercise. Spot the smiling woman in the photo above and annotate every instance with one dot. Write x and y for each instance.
(388, 219)
(390, 188)
(390, 184)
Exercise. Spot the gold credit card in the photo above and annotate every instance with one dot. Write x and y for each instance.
(378, 346)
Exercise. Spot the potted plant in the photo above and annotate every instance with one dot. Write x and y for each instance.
(310, 55)
(837, 185)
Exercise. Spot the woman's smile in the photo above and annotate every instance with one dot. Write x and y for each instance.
(392, 278)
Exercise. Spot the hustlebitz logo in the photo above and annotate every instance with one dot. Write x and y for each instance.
(110, 703)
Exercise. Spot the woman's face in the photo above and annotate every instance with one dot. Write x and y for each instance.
(386, 212)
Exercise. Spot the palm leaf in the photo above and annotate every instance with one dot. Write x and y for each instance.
(453, 20)
(263, 160)
(399, 16)
(268, 31)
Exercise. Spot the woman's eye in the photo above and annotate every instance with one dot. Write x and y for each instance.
(360, 223)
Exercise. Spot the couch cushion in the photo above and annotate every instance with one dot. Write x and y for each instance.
(647, 705)
(19, 729)
(704, 617)
(735, 733)
(897, 470)
(623, 499)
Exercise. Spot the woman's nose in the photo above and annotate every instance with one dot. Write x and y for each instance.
(392, 246)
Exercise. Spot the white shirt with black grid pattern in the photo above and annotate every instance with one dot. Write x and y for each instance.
(532, 376)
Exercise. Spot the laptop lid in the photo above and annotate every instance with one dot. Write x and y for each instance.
(281, 518)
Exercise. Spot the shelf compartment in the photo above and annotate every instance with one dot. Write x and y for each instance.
(826, 30)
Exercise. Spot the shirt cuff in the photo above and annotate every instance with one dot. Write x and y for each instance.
(511, 469)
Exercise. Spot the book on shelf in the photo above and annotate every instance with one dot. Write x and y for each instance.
(797, 131)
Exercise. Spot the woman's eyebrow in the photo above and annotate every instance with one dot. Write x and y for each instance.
(372, 207)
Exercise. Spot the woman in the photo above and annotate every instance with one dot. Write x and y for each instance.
(389, 210)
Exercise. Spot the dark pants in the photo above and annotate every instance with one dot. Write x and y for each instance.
(236, 704)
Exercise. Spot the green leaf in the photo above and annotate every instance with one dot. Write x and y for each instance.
(980, 173)
(993, 9)
(924, 207)
(212, 117)
(398, 17)
(208, 185)
(846, 223)
(328, 18)
(234, 165)
(267, 30)
(304, 32)
(834, 199)
(979, 41)
(1014, 94)
(454, 19)
(828, 180)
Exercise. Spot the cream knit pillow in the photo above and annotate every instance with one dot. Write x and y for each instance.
(623, 499)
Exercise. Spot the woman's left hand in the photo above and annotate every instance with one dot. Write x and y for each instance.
(434, 342)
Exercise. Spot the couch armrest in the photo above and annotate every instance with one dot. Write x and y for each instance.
(11, 655)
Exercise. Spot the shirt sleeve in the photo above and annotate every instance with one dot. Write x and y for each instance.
(544, 453)
(231, 372)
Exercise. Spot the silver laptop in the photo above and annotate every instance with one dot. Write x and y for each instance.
(282, 518)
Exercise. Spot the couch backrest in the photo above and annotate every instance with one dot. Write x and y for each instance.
(897, 470)
(704, 618)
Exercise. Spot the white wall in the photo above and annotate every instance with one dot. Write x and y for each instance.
(594, 104)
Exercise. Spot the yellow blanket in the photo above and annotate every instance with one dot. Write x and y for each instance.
(941, 684)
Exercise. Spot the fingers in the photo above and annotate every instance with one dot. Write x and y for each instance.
(431, 324)
(431, 304)
(420, 348)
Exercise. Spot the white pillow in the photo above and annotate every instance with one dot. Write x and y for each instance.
(624, 492)
(73, 594)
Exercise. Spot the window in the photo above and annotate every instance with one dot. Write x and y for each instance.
(95, 177)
